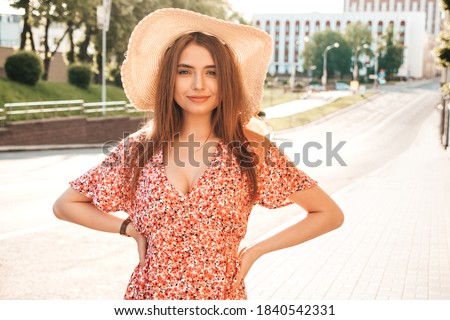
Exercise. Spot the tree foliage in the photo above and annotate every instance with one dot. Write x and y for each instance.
(391, 57)
(338, 59)
(357, 34)
(442, 51)
(27, 33)
(445, 5)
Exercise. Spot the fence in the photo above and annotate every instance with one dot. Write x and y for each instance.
(63, 108)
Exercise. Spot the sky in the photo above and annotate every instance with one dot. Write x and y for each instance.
(250, 7)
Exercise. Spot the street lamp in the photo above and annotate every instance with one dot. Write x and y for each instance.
(375, 65)
(355, 63)
(324, 74)
(294, 67)
(103, 14)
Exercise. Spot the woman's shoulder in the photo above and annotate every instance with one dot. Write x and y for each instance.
(258, 143)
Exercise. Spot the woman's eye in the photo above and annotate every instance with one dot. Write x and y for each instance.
(183, 72)
(212, 73)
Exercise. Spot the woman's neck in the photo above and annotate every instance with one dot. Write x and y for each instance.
(198, 128)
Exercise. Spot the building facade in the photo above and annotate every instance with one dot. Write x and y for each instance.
(431, 8)
(10, 26)
(290, 31)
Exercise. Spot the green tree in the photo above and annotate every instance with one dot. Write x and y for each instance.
(442, 50)
(338, 59)
(48, 12)
(359, 37)
(81, 15)
(391, 57)
(27, 33)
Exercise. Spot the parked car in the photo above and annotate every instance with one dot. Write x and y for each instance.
(341, 86)
(315, 87)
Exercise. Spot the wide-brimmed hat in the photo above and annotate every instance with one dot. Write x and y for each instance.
(154, 34)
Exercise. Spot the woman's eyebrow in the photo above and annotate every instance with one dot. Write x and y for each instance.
(183, 65)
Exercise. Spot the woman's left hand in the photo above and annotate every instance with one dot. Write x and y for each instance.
(246, 257)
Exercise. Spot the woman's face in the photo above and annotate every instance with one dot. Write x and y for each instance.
(196, 83)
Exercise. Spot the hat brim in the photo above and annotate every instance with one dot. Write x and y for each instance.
(154, 34)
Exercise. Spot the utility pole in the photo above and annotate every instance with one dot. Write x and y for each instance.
(103, 15)
(324, 73)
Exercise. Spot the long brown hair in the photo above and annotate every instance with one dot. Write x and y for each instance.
(226, 121)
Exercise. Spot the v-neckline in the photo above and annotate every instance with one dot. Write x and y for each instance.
(202, 175)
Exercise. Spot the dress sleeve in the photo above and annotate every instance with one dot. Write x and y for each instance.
(278, 178)
(107, 183)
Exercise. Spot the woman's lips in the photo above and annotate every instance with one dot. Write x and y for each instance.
(198, 99)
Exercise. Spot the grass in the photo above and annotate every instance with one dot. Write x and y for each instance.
(275, 96)
(308, 116)
(11, 91)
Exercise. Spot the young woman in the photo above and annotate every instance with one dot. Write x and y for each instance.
(190, 178)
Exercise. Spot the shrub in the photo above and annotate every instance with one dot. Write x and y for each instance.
(80, 75)
(24, 67)
(117, 77)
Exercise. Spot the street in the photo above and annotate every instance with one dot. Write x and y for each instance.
(43, 258)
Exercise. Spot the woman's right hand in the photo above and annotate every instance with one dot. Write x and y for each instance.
(140, 240)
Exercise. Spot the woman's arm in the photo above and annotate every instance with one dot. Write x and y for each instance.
(323, 216)
(74, 207)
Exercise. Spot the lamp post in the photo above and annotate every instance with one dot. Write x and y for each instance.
(375, 64)
(324, 74)
(355, 63)
(294, 66)
(103, 14)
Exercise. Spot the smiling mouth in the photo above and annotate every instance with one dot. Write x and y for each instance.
(198, 98)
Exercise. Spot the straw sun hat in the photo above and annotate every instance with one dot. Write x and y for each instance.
(158, 31)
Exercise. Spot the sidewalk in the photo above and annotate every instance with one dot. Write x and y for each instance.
(394, 244)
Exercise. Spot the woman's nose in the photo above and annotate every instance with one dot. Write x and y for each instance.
(198, 82)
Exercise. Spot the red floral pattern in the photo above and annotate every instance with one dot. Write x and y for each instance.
(194, 238)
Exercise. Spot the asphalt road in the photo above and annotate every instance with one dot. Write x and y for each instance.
(43, 258)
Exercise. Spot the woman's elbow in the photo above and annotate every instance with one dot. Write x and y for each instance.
(57, 209)
(337, 218)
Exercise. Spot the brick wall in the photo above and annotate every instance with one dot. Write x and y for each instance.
(74, 130)
(4, 54)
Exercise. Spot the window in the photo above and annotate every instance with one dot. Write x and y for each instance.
(380, 28)
(317, 26)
